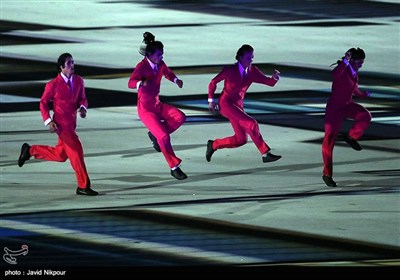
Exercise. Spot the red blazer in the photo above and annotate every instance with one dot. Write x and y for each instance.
(235, 86)
(65, 103)
(148, 96)
(344, 85)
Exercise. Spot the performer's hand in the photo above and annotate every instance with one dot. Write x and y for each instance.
(52, 127)
(213, 107)
(82, 112)
(179, 83)
(347, 56)
(276, 74)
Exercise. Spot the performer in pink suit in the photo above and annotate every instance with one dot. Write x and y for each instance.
(161, 119)
(237, 79)
(67, 93)
(340, 106)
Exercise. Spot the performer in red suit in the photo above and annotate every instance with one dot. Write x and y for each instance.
(340, 106)
(67, 93)
(161, 119)
(237, 79)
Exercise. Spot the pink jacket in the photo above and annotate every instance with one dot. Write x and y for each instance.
(235, 87)
(148, 96)
(344, 85)
(65, 103)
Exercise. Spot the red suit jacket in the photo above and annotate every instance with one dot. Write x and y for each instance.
(65, 103)
(343, 86)
(148, 96)
(235, 86)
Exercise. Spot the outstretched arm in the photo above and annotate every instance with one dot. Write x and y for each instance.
(361, 93)
(169, 75)
(260, 78)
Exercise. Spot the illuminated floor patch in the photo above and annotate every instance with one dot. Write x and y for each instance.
(124, 238)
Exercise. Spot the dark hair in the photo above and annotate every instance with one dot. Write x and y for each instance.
(61, 60)
(356, 53)
(243, 49)
(151, 45)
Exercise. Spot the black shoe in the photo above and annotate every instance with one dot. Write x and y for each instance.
(178, 174)
(352, 142)
(329, 181)
(210, 150)
(270, 157)
(25, 155)
(155, 142)
(87, 191)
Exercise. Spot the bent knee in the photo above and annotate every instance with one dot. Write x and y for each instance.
(252, 124)
(241, 142)
(368, 116)
(182, 118)
(164, 137)
(63, 158)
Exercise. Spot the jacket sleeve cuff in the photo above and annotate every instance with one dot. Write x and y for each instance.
(138, 84)
(46, 122)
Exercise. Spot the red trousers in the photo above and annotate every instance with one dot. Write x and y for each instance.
(333, 121)
(68, 147)
(242, 125)
(161, 121)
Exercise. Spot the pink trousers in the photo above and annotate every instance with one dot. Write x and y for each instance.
(68, 147)
(242, 125)
(333, 121)
(161, 121)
